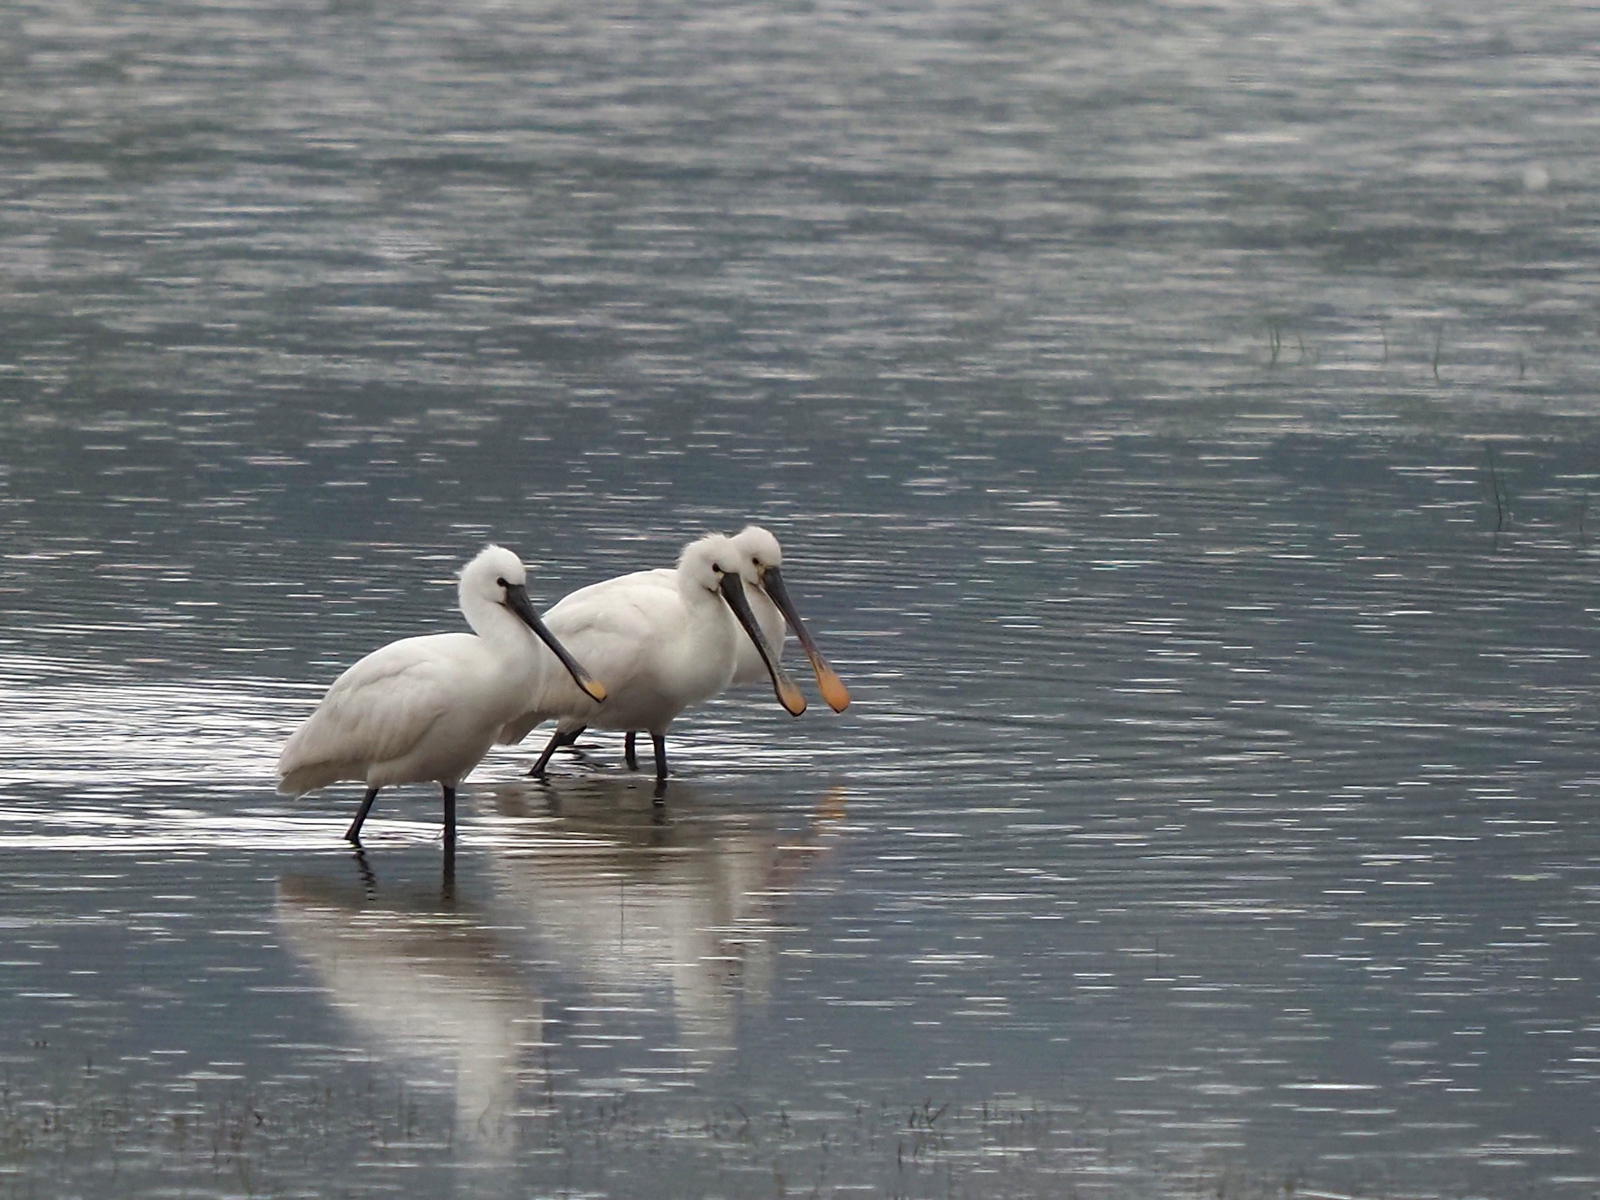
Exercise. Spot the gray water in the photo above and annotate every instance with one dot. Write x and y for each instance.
(1180, 422)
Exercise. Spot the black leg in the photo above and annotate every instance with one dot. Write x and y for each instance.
(353, 834)
(557, 740)
(449, 821)
(551, 747)
(630, 750)
(660, 742)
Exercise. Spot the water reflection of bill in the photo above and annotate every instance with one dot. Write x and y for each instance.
(421, 981)
(665, 909)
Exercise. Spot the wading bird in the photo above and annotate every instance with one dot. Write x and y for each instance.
(660, 649)
(760, 559)
(428, 708)
(761, 563)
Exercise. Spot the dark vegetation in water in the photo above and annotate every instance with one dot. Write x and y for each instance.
(89, 1138)
(84, 1138)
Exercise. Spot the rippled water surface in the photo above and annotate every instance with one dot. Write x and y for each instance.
(1180, 422)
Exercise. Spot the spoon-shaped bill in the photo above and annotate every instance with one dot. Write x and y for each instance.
(517, 598)
(788, 694)
(828, 681)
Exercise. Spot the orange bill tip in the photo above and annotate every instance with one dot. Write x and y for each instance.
(791, 699)
(832, 688)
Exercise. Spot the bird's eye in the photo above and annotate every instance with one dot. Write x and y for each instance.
(717, 568)
(502, 582)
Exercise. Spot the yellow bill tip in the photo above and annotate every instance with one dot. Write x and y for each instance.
(596, 690)
(833, 690)
(791, 699)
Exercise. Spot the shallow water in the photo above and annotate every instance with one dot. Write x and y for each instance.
(1180, 426)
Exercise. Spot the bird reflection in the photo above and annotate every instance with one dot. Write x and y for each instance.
(421, 981)
(635, 900)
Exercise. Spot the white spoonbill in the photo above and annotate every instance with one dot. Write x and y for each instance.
(660, 650)
(760, 559)
(761, 563)
(428, 708)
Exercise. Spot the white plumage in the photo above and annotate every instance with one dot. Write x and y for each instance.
(428, 708)
(659, 648)
(760, 560)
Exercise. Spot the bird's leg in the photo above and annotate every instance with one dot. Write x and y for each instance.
(570, 741)
(557, 740)
(630, 749)
(353, 834)
(551, 747)
(447, 881)
(660, 742)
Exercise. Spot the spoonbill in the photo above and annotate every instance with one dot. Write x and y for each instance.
(428, 708)
(760, 559)
(660, 649)
(761, 566)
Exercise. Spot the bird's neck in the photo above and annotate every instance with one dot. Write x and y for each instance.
(700, 602)
(498, 626)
